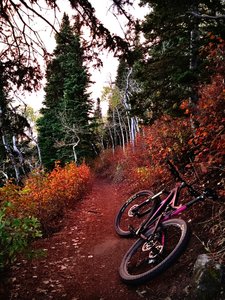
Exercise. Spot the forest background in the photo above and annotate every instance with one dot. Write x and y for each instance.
(167, 101)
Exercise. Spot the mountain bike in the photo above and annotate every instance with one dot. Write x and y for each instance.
(161, 237)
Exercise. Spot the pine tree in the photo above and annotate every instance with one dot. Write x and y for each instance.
(175, 32)
(65, 130)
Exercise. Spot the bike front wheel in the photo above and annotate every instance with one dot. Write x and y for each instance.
(127, 219)
(148, 258)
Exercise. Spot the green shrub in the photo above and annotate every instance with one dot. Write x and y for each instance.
(15, 235)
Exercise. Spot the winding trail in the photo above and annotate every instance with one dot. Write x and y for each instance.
(82, 260)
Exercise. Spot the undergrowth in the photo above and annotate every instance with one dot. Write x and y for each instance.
(37, 207)
(198, 152)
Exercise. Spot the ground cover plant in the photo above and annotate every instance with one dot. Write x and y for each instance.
(15, 235)
(198, 149)
(37, 207)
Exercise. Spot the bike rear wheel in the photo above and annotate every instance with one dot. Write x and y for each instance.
(125, 218)
(146, 259)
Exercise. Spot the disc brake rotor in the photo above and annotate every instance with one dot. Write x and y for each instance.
(154, 247)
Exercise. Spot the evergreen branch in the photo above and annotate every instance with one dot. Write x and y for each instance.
(100, 34)
(122, 10)
(204, 16)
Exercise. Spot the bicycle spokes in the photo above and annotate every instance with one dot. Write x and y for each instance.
(151, 253)
(133, 213)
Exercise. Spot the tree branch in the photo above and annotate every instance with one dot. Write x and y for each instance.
(117, 3)
(204, 16)
(39, 15)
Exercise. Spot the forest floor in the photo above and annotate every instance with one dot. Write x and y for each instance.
(82, 259)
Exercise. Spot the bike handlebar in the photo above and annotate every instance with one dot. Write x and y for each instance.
(208, 193)
(173, 170)
(177, 175)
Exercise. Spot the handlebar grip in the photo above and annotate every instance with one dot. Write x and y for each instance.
(209, 193)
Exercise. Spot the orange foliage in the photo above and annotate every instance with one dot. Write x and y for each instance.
(209, 139)
(46, 195)
(202, 147)
(142, 166)
(166, 137)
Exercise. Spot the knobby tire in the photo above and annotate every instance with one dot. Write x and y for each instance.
(131, 274)
(123, 220)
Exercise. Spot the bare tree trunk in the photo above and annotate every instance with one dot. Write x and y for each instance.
(102, 142)
(4, 174)
(132, 121)
(74, 150)
(111, 137)
(134, 130)
(194, 38)
(12, 158)
(126, 128)
(19, 154)
(129, 127)
(114, 127)
(33, 139)
(39, 153)
(121, 130)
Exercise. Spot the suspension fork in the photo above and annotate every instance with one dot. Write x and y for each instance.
(156, 226)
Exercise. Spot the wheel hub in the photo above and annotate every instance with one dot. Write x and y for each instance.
(154, 247)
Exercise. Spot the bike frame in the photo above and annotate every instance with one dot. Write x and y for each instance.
(166, 210)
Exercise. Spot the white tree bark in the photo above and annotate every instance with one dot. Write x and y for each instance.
(121, 130)
(12, 158)
(132, 121)
(74, 150)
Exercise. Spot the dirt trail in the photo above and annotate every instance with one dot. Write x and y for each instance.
(82, 259)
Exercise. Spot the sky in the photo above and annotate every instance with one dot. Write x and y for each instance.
(101, 77)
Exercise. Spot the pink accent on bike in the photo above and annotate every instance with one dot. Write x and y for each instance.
(175, 213)
(179, 210)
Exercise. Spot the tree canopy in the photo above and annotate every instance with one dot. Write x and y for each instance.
(22, 43)
(66, 122)
(175, 32)
(167, 65)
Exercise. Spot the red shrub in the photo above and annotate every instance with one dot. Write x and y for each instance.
(143, 165)
(45, 196)
(209, 138)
